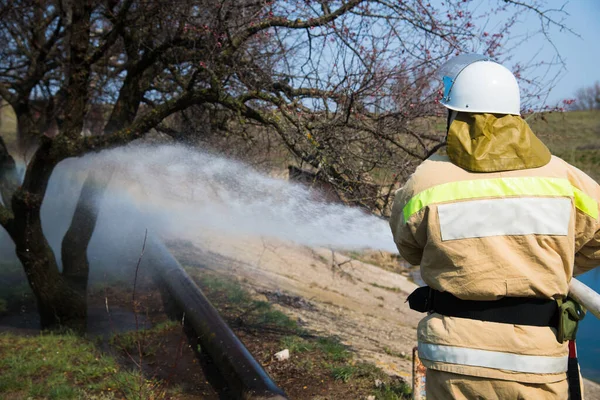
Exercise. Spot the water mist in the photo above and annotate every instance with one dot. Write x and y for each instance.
(170, 189)
(175, 188)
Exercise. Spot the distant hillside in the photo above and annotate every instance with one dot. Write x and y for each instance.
(573, 136)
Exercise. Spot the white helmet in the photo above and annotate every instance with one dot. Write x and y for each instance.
(476, 84)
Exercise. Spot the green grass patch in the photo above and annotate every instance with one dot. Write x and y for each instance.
(395, 389)
(333, 349)
(236, 304)
(342, 372)
(144, 338)
(262, 313)
(362, 373)
(356, 371)
(330, 348)
(65, 366)
(296, 344)
(229, 290)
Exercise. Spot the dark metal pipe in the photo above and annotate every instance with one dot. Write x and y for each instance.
(245, 375)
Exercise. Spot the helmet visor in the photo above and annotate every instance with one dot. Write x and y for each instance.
(451, 68)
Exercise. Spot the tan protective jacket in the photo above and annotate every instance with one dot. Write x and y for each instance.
(482, 236)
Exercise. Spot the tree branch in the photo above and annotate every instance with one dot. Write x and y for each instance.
(113, 35)
(78, 71)
(141, 125)
(39, 67)
(6, 95)
(298, 24)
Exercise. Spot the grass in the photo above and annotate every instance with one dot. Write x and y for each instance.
(330, 347)
(573, 136)
(333, 349)
(296, 344)
(65, 366)
(360, 370)
(231, 299)
(128, 341)
(230, 290)
(386, 388)
(393, 390)
(343, 372)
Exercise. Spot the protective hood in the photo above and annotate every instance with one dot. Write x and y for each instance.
(494, 142)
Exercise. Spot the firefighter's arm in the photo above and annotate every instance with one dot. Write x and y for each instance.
(405, 232)
(587, 224)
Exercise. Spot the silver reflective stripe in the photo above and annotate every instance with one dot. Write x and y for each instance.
(493, 359)
(506, 216)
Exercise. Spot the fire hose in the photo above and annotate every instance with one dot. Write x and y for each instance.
(246, 377)
(585, 296)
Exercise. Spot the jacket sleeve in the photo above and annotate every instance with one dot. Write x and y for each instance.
(405, 233)
(587, 224)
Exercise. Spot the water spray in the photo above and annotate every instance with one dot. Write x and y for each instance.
(173, 189)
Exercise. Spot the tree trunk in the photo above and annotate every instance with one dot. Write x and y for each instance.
(127, 104)
(76, 240)
(58, 303)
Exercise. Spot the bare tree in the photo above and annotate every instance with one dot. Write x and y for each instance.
(587, 98)
(346, 86)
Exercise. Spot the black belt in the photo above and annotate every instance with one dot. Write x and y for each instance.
(508, 310)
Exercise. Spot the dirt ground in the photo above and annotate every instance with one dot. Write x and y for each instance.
(328, 292)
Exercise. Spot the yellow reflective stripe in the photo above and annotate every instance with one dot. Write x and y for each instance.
(500, 187)
(586, 203)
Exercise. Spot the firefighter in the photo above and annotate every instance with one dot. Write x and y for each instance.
(499, 227)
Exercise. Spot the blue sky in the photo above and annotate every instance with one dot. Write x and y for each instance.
(582, 55)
